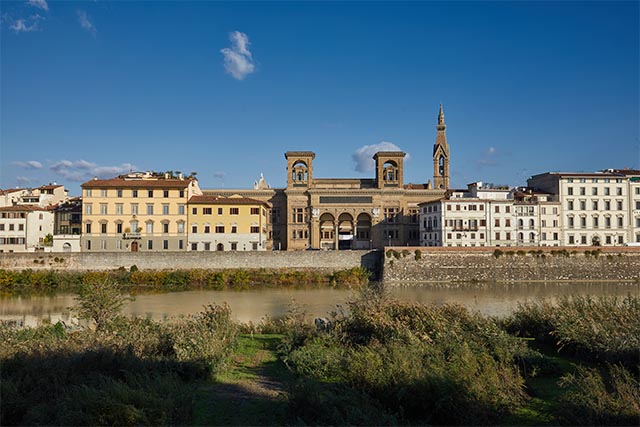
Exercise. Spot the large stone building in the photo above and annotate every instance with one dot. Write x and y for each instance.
(349, 213)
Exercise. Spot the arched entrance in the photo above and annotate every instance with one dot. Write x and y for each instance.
(327, 231)
(345, 231)
(220, 247)
(134, 246)
(362, 238)
(66, 247)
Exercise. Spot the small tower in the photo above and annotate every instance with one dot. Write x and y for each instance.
(299, 168)
(389, 168)
(441, 155)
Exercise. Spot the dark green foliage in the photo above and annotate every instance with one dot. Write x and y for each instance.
(417, 254)
(498, 253)
(596, 399)
(422, 364)
(100, 301)
(605, 329)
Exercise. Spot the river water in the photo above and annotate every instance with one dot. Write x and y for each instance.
(253, 305)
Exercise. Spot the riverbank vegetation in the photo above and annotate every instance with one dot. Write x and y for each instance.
(135, 280)
(378, 362)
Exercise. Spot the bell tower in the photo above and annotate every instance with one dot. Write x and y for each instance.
(299, 168)
(441, 155)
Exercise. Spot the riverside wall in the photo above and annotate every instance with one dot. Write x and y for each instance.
(402, 266)
(326, 261)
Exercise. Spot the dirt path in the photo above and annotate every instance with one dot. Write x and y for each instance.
(253, 392)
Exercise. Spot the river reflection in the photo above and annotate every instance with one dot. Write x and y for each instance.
(253, 305)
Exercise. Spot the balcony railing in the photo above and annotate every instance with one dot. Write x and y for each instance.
(131, 236)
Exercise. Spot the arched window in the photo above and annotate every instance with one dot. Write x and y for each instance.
(441, 165)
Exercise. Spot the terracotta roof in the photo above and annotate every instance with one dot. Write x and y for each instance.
(137, 183)
(10, 190)
(219, 200)
(50, 187)
(627, 171)
(417, 187)
(22, 208)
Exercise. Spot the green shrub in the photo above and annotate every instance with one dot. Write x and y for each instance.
(498, 253)
(417, 254)
(100, 301)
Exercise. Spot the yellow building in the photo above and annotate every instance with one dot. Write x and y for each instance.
(139, 211)
(233, 223)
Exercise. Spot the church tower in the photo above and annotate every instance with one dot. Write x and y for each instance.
(441, 155)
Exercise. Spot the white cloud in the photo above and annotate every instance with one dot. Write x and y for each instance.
(41, 4)
(363, 157)
(82, 170)
(31, 164)
(238, 60)
(26, 25)
(23, 181)
(85, 22)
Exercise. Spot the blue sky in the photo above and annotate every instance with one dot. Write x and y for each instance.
(225, 88)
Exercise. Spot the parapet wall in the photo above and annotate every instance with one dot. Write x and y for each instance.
(401, 265)
(317, 260)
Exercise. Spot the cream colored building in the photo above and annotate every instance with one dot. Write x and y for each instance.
(233, 223)
(595, 207)
(45, 195)
(136, 212)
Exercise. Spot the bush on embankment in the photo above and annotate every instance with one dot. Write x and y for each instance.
(596, 329)
(134, 279)
(126, 372)
(406, 363)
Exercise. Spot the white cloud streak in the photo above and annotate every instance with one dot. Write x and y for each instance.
(363, 157)
(26, 25)
(85, 22)
(30, 164)
(238, 60)
(82, 170)
(488, 158)
(40, 4)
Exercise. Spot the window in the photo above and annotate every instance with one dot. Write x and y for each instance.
(119, 192)
(118, 244)
(119, 209)
(219, 228)
(180, 209)
(234, 228)
(620, 221)
(507, 209)
(207, 228)
(448, 207)
(583, 239)
(165, 209)
(255, 229)
(149, 227)
(21, 227)
(619, 205)
(507, 222)
(103, 228)
(618, 191)
(88, 192)
(594, 191)
(134, 209)
(88, 228)
(150, 244)
(149, 209)
(595, 222)
(570, 205)
(498, 236)
(87, 209)
(583, 205)
(165, 227)
(497, 222)
(207, 246)
(194, 211)
(103, 193)
(219, 211)
(150, 193)
(234, 246)
(390, 214)
(165, 194)
(88, 245)
(570, 191)
(234, 211)
(254, 246)
(582, 191)
(134, 193)
(180, 227)
(207, 211)
(118, 227)
(194, 246)
(607, 205)
(583, 222)
(103, 208)
(570, 222)
(620, 240)
(607, 191)
(607, 222)
(607, 240)
(255, 211)
(194, 228)
(181, 193)
(165, 244)
(571, 239)
(180, 244)
(594, 205)
(298, 215)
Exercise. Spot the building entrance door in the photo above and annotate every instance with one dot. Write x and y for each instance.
(134, 246)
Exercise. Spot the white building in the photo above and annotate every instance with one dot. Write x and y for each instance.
(26, 228)
(46, 195)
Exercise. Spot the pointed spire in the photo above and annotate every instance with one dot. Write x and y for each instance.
(441, 115)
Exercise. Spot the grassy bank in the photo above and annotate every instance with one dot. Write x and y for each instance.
(383, 363)
(135, 280)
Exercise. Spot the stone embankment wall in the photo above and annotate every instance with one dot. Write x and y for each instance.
(328, 261)
(510, 265)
